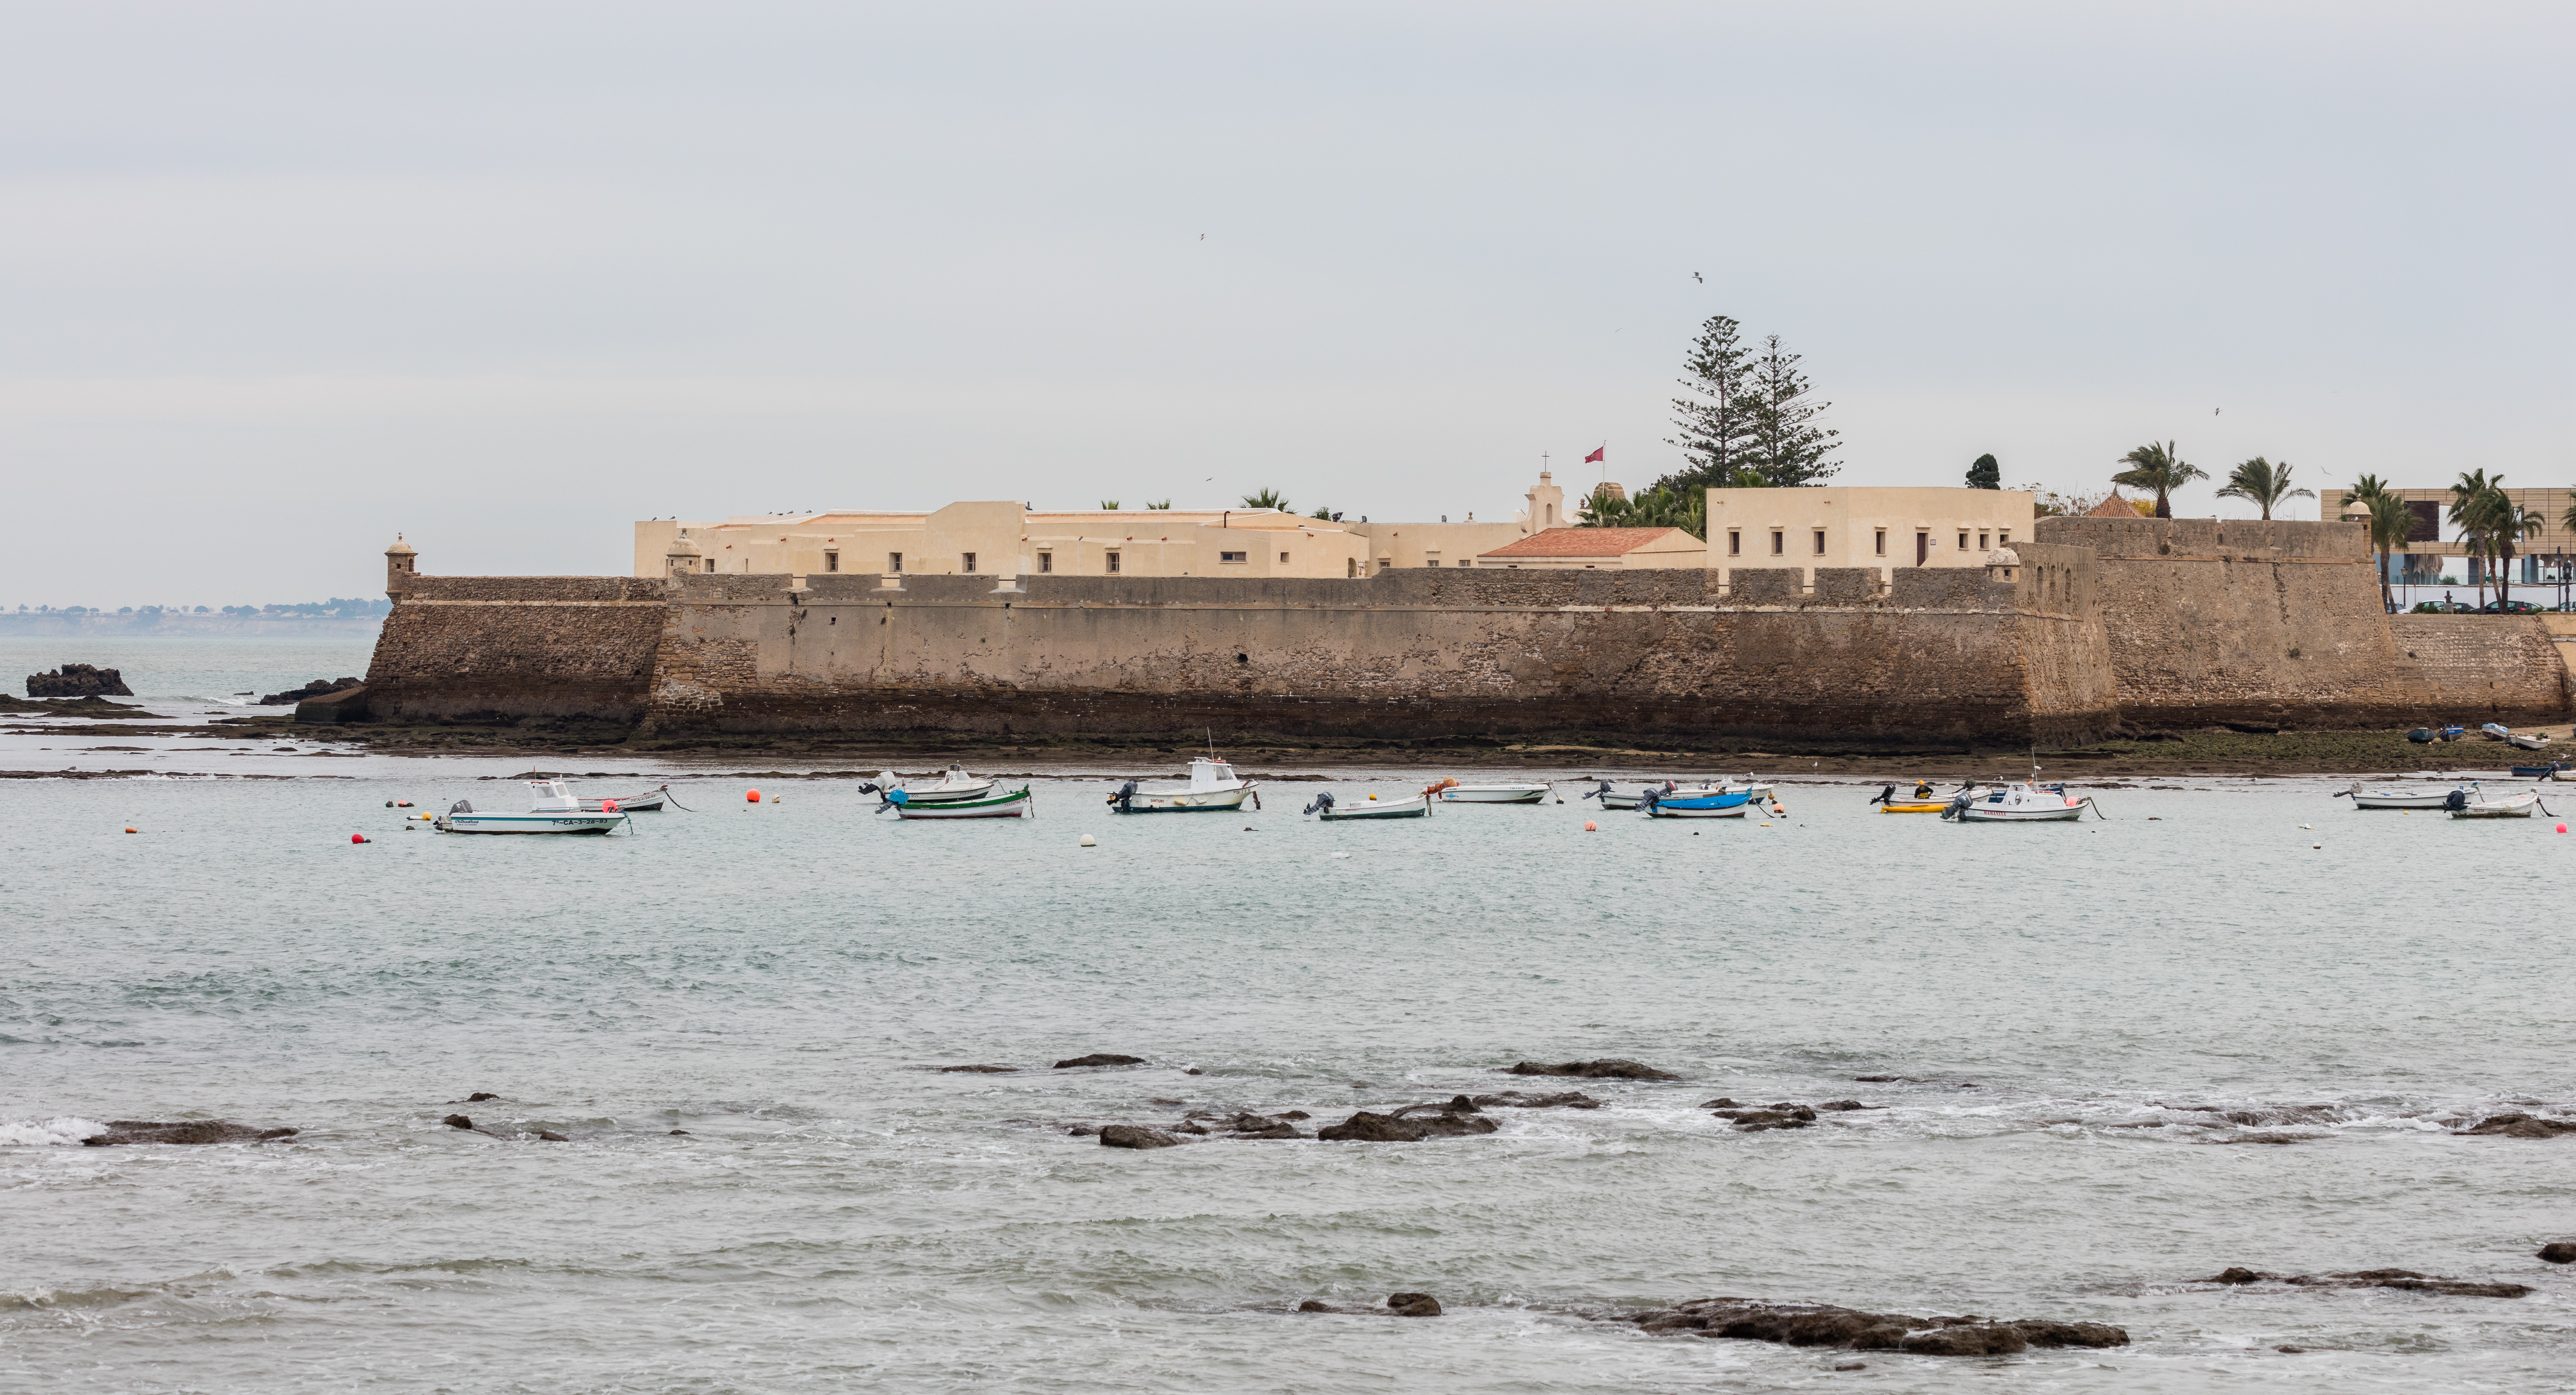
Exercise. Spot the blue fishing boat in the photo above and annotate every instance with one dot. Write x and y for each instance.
(1700, 806)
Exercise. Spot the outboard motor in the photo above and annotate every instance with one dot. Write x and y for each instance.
(1650, 798)
(1323, 800)
(2457, 799)
(1125, 798)
(460, 807)
(1958, 804)
(1885, 795)
(1599, 793)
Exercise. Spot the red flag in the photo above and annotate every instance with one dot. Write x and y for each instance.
(1594, 457)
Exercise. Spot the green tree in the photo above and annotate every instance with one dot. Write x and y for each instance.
(2390, 524)
(2263, 484)
(2474, 514)
(1266, 499)
(1685, 508)
(1715, 423)
(2158, 468)
(1985, 474)
(1789, 448)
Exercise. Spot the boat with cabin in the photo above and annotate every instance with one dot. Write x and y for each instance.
(2017, 801)
(1213, 788)
(552, 808)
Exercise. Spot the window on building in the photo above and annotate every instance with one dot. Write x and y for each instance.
(1231, 556)
(831, 561)
(1963, 542)
(1046, 562)
(1982, 544)
(1779, 542)
(1922, 547)
(1820, 542)
(894, 561)
(1431, 561)
(969, 561)
(1882, 542)
(1351, 567)
(1113, 564)
(2004, 538)
(1734, 543)
(1283, 557)
(711, 564)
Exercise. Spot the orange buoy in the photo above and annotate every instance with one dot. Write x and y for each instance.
(2561, 828)
(1590, 827)
(753, 796)
(357, 837)
(608, 806)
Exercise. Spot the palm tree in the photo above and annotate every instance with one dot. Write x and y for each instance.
(2391, 523)
(2156, 467)
(2469, 510)
(1686, 509)
(1266, 499)
(2506, 523)
(1110, 504)
(2263, 484)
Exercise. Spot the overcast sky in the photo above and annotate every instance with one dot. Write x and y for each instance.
(281, 279)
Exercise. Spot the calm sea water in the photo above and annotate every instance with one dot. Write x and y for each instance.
(775, 980)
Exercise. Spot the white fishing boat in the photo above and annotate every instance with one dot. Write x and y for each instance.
(2464, 805)
(1213, 788)
(649, 802)
(2020, 801)
(2528, 740)
(552, 808)
(1413, 806)
(955, 787)
(2363, 798)
(1015, 805)
(1451, 792)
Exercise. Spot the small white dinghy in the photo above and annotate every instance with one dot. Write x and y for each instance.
(955, 787)
(2021, 801)
(649, 802)
(1015, 805)
(2528, 740)
(1213, 789)
(1451, 792)
(2398, 799)
(552, 809)
(2464, 805)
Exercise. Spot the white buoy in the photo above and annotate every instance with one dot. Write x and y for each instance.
(1090, 842)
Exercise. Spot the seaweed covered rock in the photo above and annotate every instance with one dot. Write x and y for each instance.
(314, 689)
(1404, 1127)
(1605, 1069)
(78, 681)
(2520, 1126)
(1100, 1058)
(1826, 1325)
(1130, 1136)
(125, 1131)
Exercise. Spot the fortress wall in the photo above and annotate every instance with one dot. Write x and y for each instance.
(1610, 656)
(541, 646)
(2230, 620)
(2478, 668)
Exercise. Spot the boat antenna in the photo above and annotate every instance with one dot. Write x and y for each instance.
(1211, 738)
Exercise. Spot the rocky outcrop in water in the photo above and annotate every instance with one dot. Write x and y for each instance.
(2520, 1126)
(1824, 1325)
(1101, 1058)
(1130, 1136)
(124, 1131)
(1606, 1069)
(2406, 1279)
(78, 681)
(978, 1070)
(2559, 1252)
(314, 689)
(1411, 1124)
(1515, 1099)
(459, 1121)
(1397, 1305)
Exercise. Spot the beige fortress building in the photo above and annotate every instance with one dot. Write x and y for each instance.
(1878, 529)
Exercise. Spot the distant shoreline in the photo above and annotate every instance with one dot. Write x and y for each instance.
(189, 625)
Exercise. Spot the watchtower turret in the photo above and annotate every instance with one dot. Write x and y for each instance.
(400, 566)
(684, 557)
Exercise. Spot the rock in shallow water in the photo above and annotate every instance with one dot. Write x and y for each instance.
(1397, 1305)
(1100, 1058)
(1365, 1127)
(1605, 1069)
(1130, 1136)
(2405, 1279)
(125, 1131)
(1825, 1325)
(78, 680)
(2559, 1252)
(2521, 1126)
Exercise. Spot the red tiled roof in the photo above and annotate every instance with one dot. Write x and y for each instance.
(1584, 542)
(2113, 507)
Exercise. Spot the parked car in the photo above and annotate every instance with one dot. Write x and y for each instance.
(2508, 608)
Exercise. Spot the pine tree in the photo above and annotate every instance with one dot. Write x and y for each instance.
(1985, 474)
(1788, 447)
(1716, 421)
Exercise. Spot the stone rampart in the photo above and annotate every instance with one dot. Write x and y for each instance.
(518, 646)
(2281, 623)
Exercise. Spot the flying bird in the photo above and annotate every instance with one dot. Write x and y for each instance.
(1696, 277)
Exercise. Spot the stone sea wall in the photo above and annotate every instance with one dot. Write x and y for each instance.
(518, 646)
